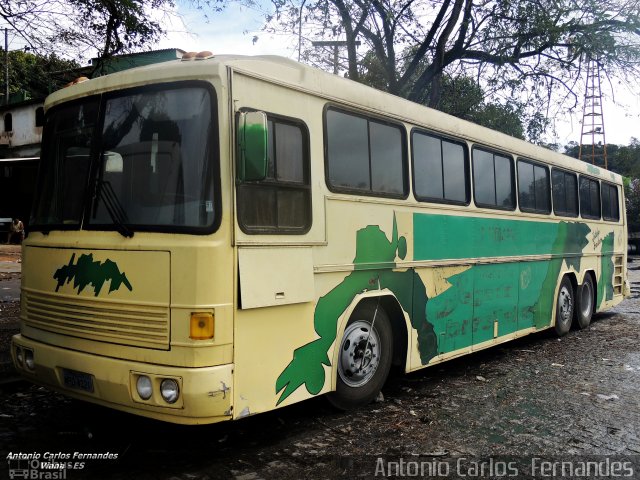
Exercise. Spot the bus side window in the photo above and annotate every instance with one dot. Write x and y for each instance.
(493, 180)
(365, 156)
(533, 187)
(440, 169)
(565, 193)
(281, 203)
(610, 208)
(589, 198)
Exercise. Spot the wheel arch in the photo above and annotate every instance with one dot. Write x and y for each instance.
(573, 278)
(594, 279)
(400, 325)
(590, 271)
(571, 275)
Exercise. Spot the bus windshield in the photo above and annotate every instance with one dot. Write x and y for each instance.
(149, 168)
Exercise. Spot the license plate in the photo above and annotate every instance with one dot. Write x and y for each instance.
(77, 380)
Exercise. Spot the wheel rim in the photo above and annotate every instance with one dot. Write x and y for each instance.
(359, 354)
(565, 303)
(586, 300)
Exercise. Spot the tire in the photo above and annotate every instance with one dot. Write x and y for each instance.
(565, 304)
(585, 301)
(366, 348)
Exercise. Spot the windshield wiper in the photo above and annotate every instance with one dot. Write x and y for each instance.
(114, 208)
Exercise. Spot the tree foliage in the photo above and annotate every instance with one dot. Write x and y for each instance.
(622, 159)
(38, 75)
(464, 98)
(461, 96)
(81, 27)
(632, 192)
(532, 51)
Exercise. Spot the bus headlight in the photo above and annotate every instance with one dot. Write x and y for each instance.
(28, 359)
(169, 390)
(144, 387)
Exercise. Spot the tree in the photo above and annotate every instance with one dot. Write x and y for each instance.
(622, 159)
(463, 97)
(37, 75)
(633, 205)
(530, 50)
(80, 27)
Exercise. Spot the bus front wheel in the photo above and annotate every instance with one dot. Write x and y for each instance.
(364, 358)
(565, 305)
(585, 303)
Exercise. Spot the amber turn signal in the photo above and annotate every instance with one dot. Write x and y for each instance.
(202, 326)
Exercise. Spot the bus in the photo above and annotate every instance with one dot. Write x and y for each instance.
(221, 236)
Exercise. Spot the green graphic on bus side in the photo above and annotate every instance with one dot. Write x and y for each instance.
(87, 272)
(509, 296)
(372, 249)
(517, 295)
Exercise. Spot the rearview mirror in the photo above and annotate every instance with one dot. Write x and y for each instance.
(252, 146)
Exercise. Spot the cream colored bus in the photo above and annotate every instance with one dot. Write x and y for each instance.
(223, 236)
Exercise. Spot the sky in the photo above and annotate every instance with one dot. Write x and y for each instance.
(237, 30)
(230, 32)
(233, 31)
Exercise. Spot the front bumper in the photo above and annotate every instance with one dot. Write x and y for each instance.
(205, 393)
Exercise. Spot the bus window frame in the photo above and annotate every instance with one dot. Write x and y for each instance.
(40, 179)
(597, 181)
(212, 170)
(614, 186)
(550, 196)
(368, 117)
(514, 190)
(575, 175)
(306, 167)
(467, 169)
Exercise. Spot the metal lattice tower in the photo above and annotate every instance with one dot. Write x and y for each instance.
(591, 150)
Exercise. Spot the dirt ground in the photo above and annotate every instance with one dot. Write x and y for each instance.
(575, 397)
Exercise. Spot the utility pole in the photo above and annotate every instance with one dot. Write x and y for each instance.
(300, 30)
(335, 44)
(6, 66)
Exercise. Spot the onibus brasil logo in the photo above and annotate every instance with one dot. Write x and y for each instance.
(87, 272)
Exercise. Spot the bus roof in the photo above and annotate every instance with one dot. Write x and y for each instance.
(303, 78)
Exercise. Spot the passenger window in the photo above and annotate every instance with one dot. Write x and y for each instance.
(281, 203)
(610, 209)
(589, 198)
(493, 180)
(440, 169)
(565, 193)
(533, 187)
(365, 155)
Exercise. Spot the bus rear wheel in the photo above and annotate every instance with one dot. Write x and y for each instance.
(364, 358)
(585, 303)
(564, 307)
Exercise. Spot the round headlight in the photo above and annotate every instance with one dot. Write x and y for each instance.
(19, 356)
(28, 359)
(144, 387)
(169, 390)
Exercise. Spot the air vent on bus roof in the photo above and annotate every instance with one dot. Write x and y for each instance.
(204, 55)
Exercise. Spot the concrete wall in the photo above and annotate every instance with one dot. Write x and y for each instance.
(23, 131)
